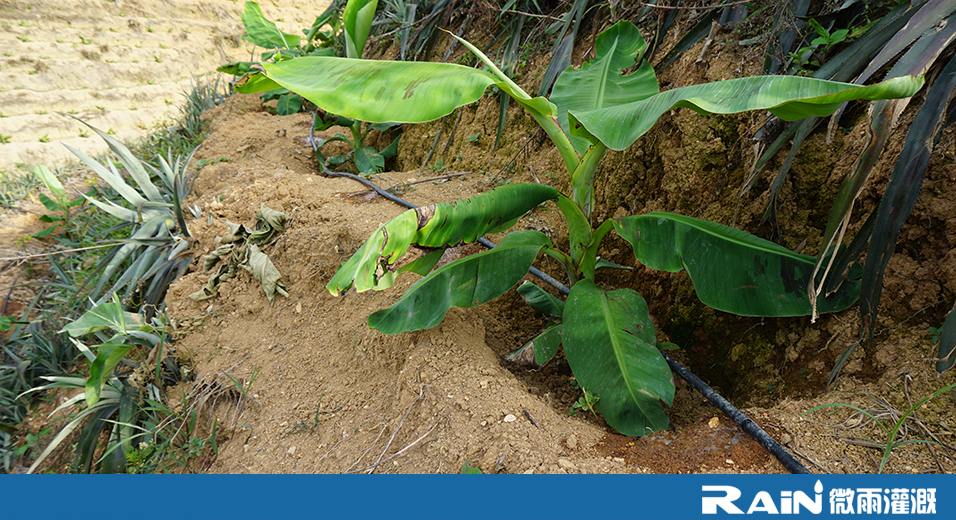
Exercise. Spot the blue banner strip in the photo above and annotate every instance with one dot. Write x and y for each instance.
(484, 497)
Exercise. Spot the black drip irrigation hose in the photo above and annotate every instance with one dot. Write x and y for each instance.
(740, 419)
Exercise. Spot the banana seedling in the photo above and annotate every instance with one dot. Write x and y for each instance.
(608, 336)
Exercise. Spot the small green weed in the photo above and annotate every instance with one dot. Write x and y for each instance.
(807, 55)
(467, 469)
(61, 205)
(584, 403)
(202, 163)
(244, 387)
(31, 440)
(438, 167)
(891, 432)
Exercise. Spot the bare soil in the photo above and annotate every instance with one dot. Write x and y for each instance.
(122, 66)
(326, 394)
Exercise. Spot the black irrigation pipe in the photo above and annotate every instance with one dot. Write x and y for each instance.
(740, 419)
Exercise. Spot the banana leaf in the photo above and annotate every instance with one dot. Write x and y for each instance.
(357, 22)
(600, 84)
(264, 33)
(535, 353)
(237, 68)
(608, 338)
(263, 270)
(541, 300)
(438, 225)
(467, 282)
(921, 25)
(381, 91)
(842, 67)
(788, 97)
(732, 271)
(288, 104)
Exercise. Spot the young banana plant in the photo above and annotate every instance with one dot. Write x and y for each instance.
(607, 335)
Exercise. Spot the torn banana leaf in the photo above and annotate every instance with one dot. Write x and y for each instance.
(535, 353)
(468, 282)
(436, 226)
(225, 272)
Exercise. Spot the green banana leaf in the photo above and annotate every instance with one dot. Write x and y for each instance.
(545, 345)
(264, 33)
(579, 228)
(788, 97)
(468, 282)
(368, 161)
(608, 338)
(541, 300)
(539, 107)
(381, 91)
(438, 225)
(237, 68)
(393, 91)
(288, 104)
(466, 220)
(732, 271)
(535, 353)
(357, 22)
(600, 84)
(253, 81)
